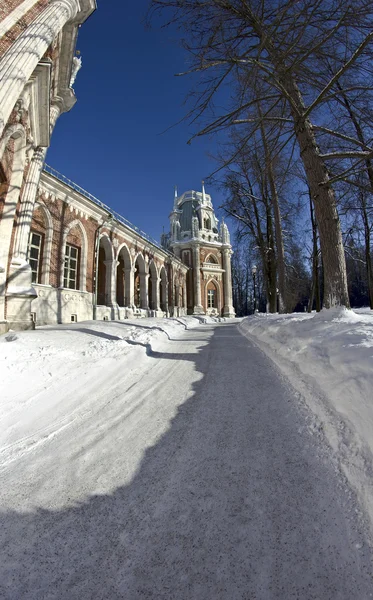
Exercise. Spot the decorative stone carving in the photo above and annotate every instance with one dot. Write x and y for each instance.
(77, 65)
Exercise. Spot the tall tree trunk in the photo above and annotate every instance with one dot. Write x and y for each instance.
(271, 264)
(280, 254)
(368, 257)
(315, 264)
(369, 169)
(324, 201)
(323, 197)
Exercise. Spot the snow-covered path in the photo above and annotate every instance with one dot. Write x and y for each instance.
(196, 476)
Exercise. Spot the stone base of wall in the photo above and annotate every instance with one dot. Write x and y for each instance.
(68, 306)
(228, 311)
(60, 305)
(4, 327)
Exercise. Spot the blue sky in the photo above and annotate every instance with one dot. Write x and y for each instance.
(111, 143)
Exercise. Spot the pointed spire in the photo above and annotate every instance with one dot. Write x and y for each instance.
(175, 198)
(203, 193)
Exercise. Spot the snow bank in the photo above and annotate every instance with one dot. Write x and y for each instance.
(51, 376)
(329, 358)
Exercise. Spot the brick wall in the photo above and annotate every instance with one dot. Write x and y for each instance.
(6, 7)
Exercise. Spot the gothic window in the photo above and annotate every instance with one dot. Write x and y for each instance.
(211, 259)
(206, 223)
(35, 248)
(71, 267)
(186, 258)
(211, 299)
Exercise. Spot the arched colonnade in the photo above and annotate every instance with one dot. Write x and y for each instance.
(130, 280)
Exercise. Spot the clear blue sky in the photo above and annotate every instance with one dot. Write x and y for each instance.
(111, 142)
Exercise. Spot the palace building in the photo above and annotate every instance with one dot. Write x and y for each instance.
(64, 255)
(205, 248)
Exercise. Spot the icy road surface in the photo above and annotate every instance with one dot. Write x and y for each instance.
(190, 473)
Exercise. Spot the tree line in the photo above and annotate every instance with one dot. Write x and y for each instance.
(286, 86)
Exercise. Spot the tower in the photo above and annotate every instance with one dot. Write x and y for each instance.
(196, 238)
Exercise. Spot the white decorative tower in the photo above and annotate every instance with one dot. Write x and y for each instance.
(196, 239)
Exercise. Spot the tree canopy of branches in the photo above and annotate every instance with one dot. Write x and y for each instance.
(298, 61)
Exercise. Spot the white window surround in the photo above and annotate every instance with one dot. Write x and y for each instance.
(83, 254)
(211, 298)
(218, 293)
(17, 65)
(48, 238)
(71, 267)
(35, 252)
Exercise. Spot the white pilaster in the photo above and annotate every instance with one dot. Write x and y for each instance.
(111, 282)
(155, 293)
(198, 308)
(19, 62)
(228, 310)
(129, 286)
(144, 278)
(27, 206)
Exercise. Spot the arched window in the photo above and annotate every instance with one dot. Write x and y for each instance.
(206, 223)
(211, 298)
(211, 259)
(74, 256)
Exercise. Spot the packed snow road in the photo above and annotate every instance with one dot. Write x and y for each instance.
(189, 473)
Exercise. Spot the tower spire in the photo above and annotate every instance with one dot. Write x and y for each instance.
(175, 198)
(203, 193)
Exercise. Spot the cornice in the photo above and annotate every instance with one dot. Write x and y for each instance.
(84, 207)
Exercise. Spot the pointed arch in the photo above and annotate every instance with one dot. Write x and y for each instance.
(211, 258)
(123, 276)
(153, 289)
(140, 261)
(163, 285)
(83, 256)
(213, 301)
(123, 250)
(140, 274)
(106, 281)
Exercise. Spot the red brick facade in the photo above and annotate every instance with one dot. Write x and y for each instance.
(7, 6)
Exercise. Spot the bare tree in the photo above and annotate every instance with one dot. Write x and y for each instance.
(282, 44)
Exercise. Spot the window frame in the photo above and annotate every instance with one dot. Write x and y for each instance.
(35, 273)
(212, 292)
(68, 269)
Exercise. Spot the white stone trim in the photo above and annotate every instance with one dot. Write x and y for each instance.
(19, 62)
(47, 250)
(16, 14)
(6, 222)
(119, 250)
(83, 255)
(219, 308)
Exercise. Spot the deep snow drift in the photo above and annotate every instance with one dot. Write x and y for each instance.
(329, 358)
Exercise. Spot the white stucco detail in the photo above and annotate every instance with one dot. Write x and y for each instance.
(18, 64)
(16, 14)
(83, 255)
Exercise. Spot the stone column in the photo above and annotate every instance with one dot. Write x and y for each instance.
(184, 296)
(129, 286)
(144, 278)
(27, 207)
(198, 308)
(19, 62)
(111, 282)
(228, 310)
(155, 290)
